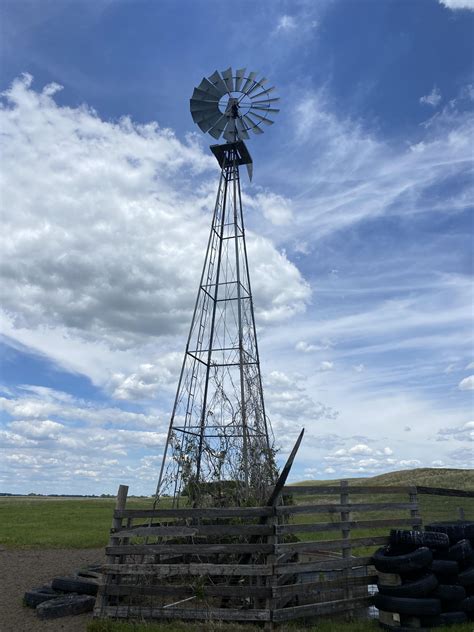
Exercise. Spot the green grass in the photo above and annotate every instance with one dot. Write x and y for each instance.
(29, 522)
(326, 625)
(40, 522)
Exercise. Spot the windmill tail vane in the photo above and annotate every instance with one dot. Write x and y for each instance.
(219, 447)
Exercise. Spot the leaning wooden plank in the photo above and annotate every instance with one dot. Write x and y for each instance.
(305, 588)
(441, 491)
(168, 570)
(181, 590)
(337, 526)
(179, 531)
(211, 512)
(207, 614)
(329, 565)
(329, 545)
(319, 490)
(312, 509)
(329, 607)
(182, 549)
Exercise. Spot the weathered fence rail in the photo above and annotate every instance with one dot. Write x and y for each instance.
(307, 558)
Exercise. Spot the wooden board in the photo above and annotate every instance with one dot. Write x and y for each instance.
(318, 609)
(304, 588)
(338, 526)
(207, 614)
(183, 549)
(331, 545)
(321, 490)
(170, 570)
(336, 508)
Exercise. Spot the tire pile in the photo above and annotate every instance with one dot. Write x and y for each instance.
(65, 596)
(426, 578)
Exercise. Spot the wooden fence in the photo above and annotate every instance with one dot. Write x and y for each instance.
(308, 557)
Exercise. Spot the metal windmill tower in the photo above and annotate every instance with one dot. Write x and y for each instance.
(218, 447)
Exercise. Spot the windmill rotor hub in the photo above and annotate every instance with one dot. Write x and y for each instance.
(233, 103)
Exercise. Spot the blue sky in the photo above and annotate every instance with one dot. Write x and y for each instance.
(359, 231)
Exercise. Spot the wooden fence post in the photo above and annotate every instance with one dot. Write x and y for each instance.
(414, 513)
(271, 580)
(120, 502)
(346, 534)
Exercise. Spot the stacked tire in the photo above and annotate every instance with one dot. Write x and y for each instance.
(426, 578)
(66, 596)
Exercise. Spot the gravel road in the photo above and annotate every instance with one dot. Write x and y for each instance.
(21, 570)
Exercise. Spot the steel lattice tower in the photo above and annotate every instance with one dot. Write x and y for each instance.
(218, 443)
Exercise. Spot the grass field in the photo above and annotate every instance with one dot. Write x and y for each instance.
(28, 522)
(32, 522)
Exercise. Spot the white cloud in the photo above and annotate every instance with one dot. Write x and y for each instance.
(95, 247)
(455, 5)
(326, 365)
(433, 98)
(276, 208)
(464, 432)
(470, 366)
(286, 23)
(351, 175)
(467, 384)
(360, 449)
(304, 347)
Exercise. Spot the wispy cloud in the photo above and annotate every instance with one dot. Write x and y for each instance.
(457, 5)
(433, 98)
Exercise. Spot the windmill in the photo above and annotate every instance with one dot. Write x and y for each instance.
(219, 446)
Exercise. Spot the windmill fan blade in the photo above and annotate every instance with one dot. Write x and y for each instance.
(228, 79)
(217, 129)
(261, 107)
(205, 96)
(250, 81)
(267, 91)
(241, 129)
(252, 125)
(199, 117)
(265, 101)
(218, 83)
(197, 105)
(258, 84)
(205, 123)
(209, 88)
(239, 77)
(267, 121)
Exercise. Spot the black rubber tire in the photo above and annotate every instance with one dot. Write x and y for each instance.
(408, 605)
(449, 592)
(431, 539)
(461, 552)
(466, 578)
(65, 606)
(456, 530)
(406, 563)
(78, 585)
(88, 574)
(445, 568)
(420, 587)
(467, 604)
(445, 618)
(35, 596)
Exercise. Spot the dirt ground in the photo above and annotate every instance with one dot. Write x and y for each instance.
(26, 569)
